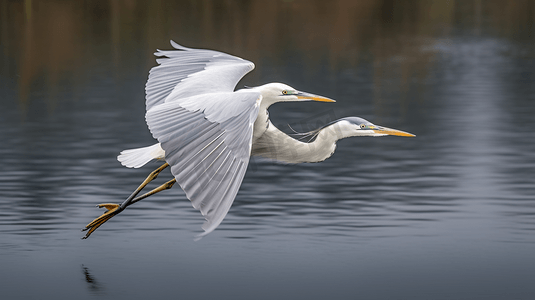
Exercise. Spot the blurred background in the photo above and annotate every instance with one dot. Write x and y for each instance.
(449, 214)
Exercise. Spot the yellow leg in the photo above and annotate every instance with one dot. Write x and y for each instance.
(114, 209)
(149, 178)
(162, 187)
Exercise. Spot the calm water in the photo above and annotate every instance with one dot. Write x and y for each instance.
(449, 214)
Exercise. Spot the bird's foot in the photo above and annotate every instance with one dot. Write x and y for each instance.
(112, 210)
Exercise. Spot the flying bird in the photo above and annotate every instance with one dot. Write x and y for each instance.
(206, 131)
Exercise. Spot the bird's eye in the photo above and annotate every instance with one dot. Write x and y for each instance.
(285, 92)
(362, 126)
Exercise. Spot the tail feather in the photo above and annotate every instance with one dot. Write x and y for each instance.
(136, 158)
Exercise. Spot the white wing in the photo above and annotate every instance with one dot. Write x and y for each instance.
(190, 72)
(204, 127)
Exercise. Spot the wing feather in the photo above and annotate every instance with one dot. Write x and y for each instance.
(207, 141)
(203, 126)
(190, 72)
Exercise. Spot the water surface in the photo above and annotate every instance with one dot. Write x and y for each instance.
(446, 215)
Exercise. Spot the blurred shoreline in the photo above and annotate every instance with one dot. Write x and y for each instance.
(50, 40)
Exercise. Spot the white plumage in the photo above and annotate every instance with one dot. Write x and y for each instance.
(206, 131)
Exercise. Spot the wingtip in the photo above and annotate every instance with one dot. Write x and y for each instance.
(199, 236)
(177, 46)
(208, 228)
(174, 45)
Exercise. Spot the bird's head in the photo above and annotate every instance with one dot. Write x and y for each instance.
(355, 126)
(280, 92)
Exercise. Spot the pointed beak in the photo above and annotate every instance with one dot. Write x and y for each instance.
(312, 97)
(390, 131)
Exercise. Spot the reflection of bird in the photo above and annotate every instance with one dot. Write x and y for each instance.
(93, 285)
(207, 131)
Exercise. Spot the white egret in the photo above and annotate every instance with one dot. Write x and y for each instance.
(206, 131)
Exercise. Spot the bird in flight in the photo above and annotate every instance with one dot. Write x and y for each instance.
(207, 132)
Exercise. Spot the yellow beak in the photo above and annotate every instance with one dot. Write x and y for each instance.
(390, 131)
(312, 97)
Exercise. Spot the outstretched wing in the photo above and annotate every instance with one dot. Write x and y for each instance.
(204, 127)
(189, 72)
(208, 147)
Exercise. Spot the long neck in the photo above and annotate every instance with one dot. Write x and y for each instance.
(275, 144)
(262, 121)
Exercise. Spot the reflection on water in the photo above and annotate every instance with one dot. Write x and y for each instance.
(92, 284)
(453, 206)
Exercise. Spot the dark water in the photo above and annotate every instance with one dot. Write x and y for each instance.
(449, 214)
